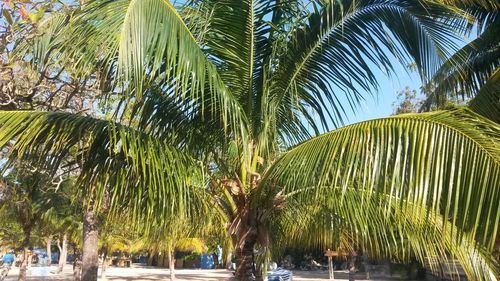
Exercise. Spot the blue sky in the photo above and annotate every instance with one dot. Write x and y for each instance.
(380, 105)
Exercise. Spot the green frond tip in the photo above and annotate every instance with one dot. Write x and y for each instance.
(470, 68)
(447, 162)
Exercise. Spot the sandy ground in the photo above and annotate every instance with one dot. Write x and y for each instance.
(145, 273)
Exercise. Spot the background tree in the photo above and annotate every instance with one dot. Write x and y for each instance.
(25, 200)
(32, 78)
(407, 102)
(116, 236)
(38, 84)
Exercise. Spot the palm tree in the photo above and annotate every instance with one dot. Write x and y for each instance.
(166, 238)
(236, 93)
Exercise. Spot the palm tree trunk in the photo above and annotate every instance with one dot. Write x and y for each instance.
(90, 259)
(151, 256)
(24, 263)
(104, 263)
(77, 269)
(228, 258)
(59, 247)
(48, 242)
(63, 253)
(171, 263)
(77, 265)
(245, 264)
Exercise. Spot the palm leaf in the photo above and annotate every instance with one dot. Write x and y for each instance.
(231, 41)
(335, 52)
(487, 100)
(430, 162)
(130, 47)
(119, 166)
(468, 69)
(483, 13)
(41, 48)
(352, 221)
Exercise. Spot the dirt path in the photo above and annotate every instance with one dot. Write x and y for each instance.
(144, 273)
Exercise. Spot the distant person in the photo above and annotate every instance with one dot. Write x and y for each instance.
(8, 258)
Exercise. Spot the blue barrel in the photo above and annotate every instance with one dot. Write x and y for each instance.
(206, 261)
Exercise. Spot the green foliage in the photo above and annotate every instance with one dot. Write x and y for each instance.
(487, 100)
(30, 77)
(134, 165)
(384, 184)
(26, 195)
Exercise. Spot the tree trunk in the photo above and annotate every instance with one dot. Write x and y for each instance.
(245, 268)
(162, 259)
(151, 257)
(24, 263)
(48, 241)
(59, 247)
(77, 269)
(77, 264)
(171, 263)
(243, 227)
(4, 271)
(90, 258)
(228, 263)
(63, 253)
(104, 263)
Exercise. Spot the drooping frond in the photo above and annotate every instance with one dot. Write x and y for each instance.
(335, 53)
(468, 69)
(246, 37)
(138, 45)
(483, 13)
(487, 100)
(121, 167)
(350, 221)
(231, 41)
(447, 163)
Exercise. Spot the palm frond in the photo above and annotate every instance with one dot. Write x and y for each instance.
(480, 12)
(121, 167)
(139, 45)
(335, 52)
(41, 47)
(469, 69)
(487, 100)
(242, 38)
(446, 162)
(351, 221)
(231, 42)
